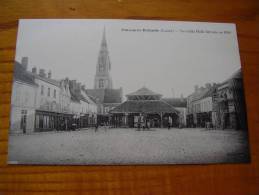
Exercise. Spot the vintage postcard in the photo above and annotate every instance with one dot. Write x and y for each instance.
(127, 92)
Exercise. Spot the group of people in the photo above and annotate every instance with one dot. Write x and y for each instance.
(141, 122)
(146, 123)
(106, 125)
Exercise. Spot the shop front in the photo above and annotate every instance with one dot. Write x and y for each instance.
(50, 121)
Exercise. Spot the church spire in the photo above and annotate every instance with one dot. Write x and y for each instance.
(103, 67)
(104, 43)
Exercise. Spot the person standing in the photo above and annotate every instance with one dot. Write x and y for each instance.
(139, 122)
(169, 122)
(148, 124)
(96, 127)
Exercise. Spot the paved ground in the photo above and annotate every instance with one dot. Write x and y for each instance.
(124, 146)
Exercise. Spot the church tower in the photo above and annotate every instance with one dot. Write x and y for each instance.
(103, 78)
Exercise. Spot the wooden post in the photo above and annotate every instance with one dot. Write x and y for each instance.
(161, 115)
(126, 119)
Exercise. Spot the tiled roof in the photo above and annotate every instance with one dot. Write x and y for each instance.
(112, 96)
(48, 80)
(87, 98)
(96, 93)
(235, 75)
(143, 92)
(20, 74)
(176, 102)
(74, 98)
(205, 92)
(106, 95)
(77, 96)
(209, 92)
(143, 106)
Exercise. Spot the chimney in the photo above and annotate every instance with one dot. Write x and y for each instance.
(196, 88)
(42, 73)
(121, 94)
(34, 70)
(49, 74)
(25, 63)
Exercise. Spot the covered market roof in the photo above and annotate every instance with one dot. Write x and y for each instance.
(144, 106)
(144, 94)
(143, 91)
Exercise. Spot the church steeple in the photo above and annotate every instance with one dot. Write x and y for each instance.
(102, 77)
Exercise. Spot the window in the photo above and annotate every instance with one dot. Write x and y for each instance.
(23, 120)
(42, 90)
(101, 83)
(48, 91)
(54, 95)
(101, 67)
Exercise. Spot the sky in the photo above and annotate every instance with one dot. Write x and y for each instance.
(167, 57)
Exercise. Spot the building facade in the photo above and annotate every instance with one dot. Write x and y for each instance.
(200, 107)
(221, 106)
(230, 103)
(41, 103)
(179, 104)
(22, 100)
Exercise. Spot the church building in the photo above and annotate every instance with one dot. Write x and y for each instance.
(103, 93)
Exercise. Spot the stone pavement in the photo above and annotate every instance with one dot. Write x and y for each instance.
(128, 146)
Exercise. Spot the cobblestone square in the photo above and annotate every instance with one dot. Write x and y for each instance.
(129, 146)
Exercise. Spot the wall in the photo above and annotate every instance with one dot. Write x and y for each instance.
(75, 107)
(182, 116)
(23, 98)
(45, 102)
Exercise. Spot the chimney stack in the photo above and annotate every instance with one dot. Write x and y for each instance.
(24, 63)
(34, 70)
(49, 74)
(42, 73)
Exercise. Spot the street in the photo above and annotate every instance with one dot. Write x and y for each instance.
(128, 146)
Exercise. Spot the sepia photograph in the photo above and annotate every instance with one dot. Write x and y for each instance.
(118, 92)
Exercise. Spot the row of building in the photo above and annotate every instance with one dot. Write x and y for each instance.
(214, 106)
(220, 106)
(41, 103)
